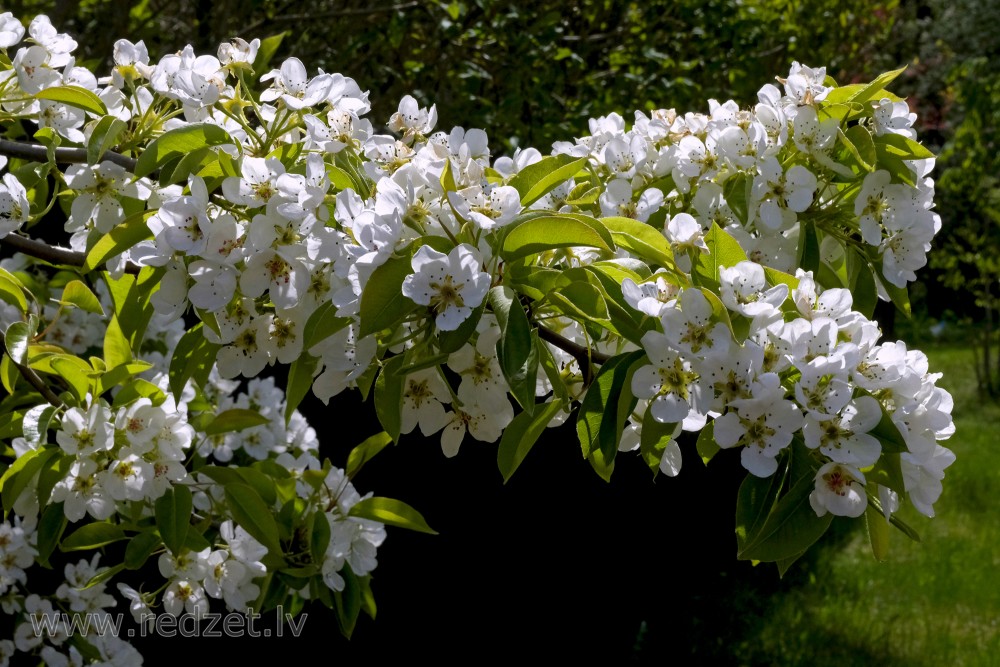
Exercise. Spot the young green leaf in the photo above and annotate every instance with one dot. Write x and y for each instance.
(392, 512)
(521, 435)
(251, 512)
(92, 536)
(173, 517)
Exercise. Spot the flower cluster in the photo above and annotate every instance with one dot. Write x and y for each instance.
(693, 272)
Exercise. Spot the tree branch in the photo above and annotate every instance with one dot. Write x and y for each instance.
(584, 356)
(26, 151)
(53, 254)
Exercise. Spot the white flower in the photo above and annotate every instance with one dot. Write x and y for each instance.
(669, 381)
(11, 30)
(763, 423)
(894, 118)
(690, 329)
(806, 85)
(411, 120)
(238, 52)
(84, 433)
(617, 201)
(294, 87)
(845, 438)
(424, 392)
(652, 298)
(486, 208)
(779, 195)
(744, 290)
(257, 183)
(687, 239)
(840, 490)
(14, 206)
(184, 595)
(452, 285)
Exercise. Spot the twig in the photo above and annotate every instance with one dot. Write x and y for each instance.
(20, 149)
(584, 356)
(35, 381)
(54, 254)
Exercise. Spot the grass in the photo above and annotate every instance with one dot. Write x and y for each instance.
(932, 603)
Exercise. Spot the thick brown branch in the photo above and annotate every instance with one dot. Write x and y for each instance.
(39, 153)
(53, 254)
(584, 356)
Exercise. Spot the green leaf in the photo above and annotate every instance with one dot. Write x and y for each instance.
(319, 537)
(103, 575)
(583, 301)
(74, 96)
(792, 525)
(193, 358)
(177, 143)
(366, 451)
(22, 472)
(131, 295)
(121, 374)
(878, 533)
(251, 512)
(869, 91)
(124, 236)
(104, 137)
(192, 163)
(12, 291)
(140, 548)
(339, 178)
(35, 425)
(859, 143)
(136, 389)
(542, 234)
(723, 251)
(383, 304)
(173, 517)
(50, 531)
(77, 294)
(322, 324)
(754, 501)
(300, 379)
(600, 422)
(653, 440)
(904, 148)
(116, 348)
(16, 339)
(706, 445)
(260, 482)
(91, 536)
(521, 435)
(348, 602)
(736, 192)
(516, 351)
(389, 397)
(391, 512)
(642, 240)
(235, 419)
(537, 180)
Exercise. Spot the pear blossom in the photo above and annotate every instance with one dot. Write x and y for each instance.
(744, 291)
(763, 424)
(452, 285)
(840, 490)
(14, 206)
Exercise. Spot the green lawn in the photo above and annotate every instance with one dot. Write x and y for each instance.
(933, 603)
